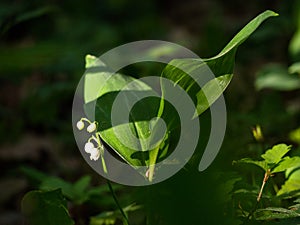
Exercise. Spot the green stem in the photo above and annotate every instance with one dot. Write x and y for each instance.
(86, 120)
(253, 210)
(152, 161)
(109, 184)
(117, 203)
(104, 165)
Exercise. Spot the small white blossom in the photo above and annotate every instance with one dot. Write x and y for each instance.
(91, 128)
(80, 125)
(95, 154)
(88, 147)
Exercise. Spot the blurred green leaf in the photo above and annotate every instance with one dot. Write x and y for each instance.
(109, 218)
(276, 77)
(9, 22)
(77, 192)
(275, 213)
(295, 135)
(294, 68)
(49, 208)
(294, 45)
(291, 187)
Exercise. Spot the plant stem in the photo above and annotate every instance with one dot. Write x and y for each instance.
(152, 160)
(98, 139)
(117, 203)
(253, 210)
(266, 177)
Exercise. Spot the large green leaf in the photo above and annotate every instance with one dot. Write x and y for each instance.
(48, 208)
(132, 138)
(221, 65)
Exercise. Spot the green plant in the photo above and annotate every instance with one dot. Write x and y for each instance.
(274, 161)
(141, 120)
(81, 192)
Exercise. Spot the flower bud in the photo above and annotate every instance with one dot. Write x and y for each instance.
(257, 133)
(91, 128)
(80, 125)
(88, 147)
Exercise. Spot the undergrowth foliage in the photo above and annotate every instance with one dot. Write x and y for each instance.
(270, 195)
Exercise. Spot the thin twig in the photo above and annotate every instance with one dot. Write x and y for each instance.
(266, 177)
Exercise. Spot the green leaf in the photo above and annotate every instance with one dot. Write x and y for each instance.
(52, 183)
(208, 94)
(275, 213)
(48, 208)
(34, 174)
(25, 16)
(273, 159)
(82, 184)
(221, 65)
(109, 218)
(274, 155)
(261, 164)
(277, 77)
(294, 46)
(129, 139)
(99, 80)
(291, 186)
(295, 135)
(295, 68)
(286, 163)
(76, 192)
(296, 207)
(248, 30)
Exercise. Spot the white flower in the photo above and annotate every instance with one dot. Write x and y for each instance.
(91, 128)
(95, 154)
(88, 147)
(80, 125)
